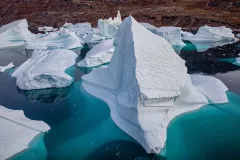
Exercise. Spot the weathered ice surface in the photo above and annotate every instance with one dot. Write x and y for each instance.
(14, 34)
(212, 34)
(61, 39)
(45, 29)
(145, 86)
(108, 27)
(3, 68)
(211, 87)
(17, 131)
(99, 54)
(202, 47)
(45, 70)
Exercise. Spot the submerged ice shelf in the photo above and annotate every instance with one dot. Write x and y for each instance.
(142, 101)
(45, 70)
(17, 131)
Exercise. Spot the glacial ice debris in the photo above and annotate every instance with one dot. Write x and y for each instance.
(171, 34)
(150, 27)
(45, 29)
(238, 35)
(3, 68)
(212, 34)
(59, 40)
(99, 54)
(17, 131)
(145, 86)
(45, 70)
(211, 87)
(108, 27)
(14, 34)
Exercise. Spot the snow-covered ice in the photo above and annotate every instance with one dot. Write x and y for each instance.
(17, 131)
(211, 87)
(3, 68)
(145, 86)
(45, 29)
(212, 34)
(108, 27)
(99, 54)
(14, 34)
(61, 39)
(45, 70)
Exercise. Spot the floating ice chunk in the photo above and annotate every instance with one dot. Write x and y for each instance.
(99, 54)
(67, 25)
(45, 70)
(142, 84)
(150, 27)
(202, 47)
(212, 34)
(238, 60)
(3, 68)
(14, 34)
(185, 34)
(171, 34)
(108, 27)
(211, 87)
(45, 29)
(61, 39)
(17, 131)
(238, 35)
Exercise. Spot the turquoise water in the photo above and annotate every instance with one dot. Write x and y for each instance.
(81, 126)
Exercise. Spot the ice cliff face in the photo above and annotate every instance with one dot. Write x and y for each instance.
(17, 131)
(14, 34)
(99, 54)
(146, 85)
(108, 27)
(212, 34)
(45, 70)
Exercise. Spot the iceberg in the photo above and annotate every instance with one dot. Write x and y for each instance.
(62, 39)
(17, 131)
(45, 70)
(212, 34)
(108, 27)
(14, 34)
(145, 86)
(211, 87)
(171, 34)
(202, 47)
(150, 27)
(45, 29)
(3, 68)
(99, 54)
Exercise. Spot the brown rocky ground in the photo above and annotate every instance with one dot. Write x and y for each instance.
(185, 13)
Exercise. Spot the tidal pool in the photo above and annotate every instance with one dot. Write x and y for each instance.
(81, 126)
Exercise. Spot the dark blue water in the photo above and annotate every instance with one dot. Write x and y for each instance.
(81, 126)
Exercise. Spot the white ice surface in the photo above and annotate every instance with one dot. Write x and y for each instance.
(61, 39)
(212, 34)
(45, 70)
(145, 86)
(211, 87)
(3, 68)
(45, 29)
(17, 131)
(99, 54)
(238, 35)
(14, 34)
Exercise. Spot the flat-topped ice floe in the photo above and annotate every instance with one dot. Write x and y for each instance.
(14, 34)
(17, 131)
(108, 27)
(4, 68)
(145, 86)
(99, 54)
(45, 70)
(61, 39)
(212, 34)
(211, 87)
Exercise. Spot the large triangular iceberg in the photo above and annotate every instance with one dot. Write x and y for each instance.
(146, 85)
(45, 70)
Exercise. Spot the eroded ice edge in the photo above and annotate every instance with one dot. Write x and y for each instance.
(146, 85)
(17, 131)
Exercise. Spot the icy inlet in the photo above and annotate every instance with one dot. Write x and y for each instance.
(145, 86)
(45, 70)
